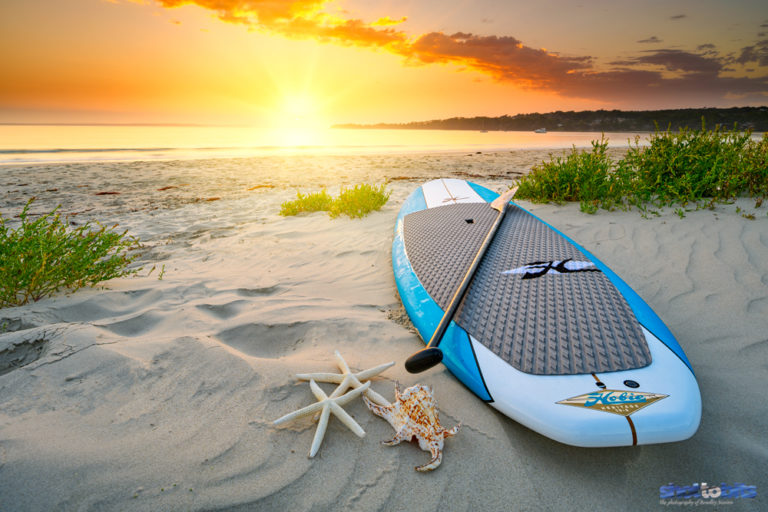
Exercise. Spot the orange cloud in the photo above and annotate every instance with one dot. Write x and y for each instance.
(504, 58)
(254, 11)
(387, 21)
(299, 19)
(344, 32)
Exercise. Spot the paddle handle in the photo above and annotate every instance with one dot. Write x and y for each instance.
(430, 355)
(502, 202)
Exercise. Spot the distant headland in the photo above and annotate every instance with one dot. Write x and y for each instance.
(743, 118)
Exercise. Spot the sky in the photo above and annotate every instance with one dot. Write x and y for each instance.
(249, 62)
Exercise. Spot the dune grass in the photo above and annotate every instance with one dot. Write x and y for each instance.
(359, 201)
(45, 255)
(355, 202)
(312, 202)
(584, 176)
(676, 168)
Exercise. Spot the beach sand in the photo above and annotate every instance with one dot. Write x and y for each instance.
(156, 394)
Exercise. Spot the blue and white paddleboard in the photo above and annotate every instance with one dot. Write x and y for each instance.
(546, 333)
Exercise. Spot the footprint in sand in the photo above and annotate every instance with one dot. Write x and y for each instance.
(272, 340)
(16, 354)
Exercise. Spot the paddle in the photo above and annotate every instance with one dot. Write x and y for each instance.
(430, 355)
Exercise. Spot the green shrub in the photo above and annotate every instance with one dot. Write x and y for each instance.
(681, 167)
(584, 176)
(44, 255)
(689, 165)
(359, 201)
(355, 202)
(312, 202)
(754, 169)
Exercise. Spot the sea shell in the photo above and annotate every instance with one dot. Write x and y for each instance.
(414, 416)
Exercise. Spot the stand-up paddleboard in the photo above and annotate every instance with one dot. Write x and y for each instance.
(546, 333)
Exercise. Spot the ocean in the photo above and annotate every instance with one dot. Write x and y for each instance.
(28, 144)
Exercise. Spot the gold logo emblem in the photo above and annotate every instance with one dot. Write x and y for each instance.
(622, 403)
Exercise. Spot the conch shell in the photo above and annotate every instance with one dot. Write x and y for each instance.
(414, 416)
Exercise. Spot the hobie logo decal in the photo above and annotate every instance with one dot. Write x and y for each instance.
(540, 268)
(622, 403)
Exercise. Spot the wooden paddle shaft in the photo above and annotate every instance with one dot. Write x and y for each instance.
(501, 204)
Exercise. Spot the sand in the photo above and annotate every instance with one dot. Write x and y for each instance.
(159, 394)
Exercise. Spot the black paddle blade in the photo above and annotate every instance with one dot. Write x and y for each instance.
(423, 360)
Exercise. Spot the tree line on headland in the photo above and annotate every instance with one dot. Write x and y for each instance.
(742, 118)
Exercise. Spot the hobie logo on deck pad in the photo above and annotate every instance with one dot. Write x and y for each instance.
(622, 403)
(540, 268)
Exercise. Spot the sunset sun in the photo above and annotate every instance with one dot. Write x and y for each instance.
(298, 106)
(298, 120)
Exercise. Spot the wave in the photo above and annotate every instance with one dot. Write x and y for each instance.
(15, 156)
(124, 150)
(199, 144)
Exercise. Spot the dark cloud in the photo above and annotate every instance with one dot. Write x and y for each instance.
(757, 53)
(678, 17)
(676, 60)
(709, 50)
(651, 88)
(652, 39)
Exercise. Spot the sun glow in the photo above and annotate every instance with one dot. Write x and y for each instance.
(298, 120)
(299, 106)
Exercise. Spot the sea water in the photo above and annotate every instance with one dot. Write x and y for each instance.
(23, 144)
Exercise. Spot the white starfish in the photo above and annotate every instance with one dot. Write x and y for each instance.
(347, 379)
(328, 405)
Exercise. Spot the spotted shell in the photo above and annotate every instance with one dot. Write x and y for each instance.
(414, 416)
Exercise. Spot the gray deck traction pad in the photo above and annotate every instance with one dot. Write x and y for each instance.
(554, 324)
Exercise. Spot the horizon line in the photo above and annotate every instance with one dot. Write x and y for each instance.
(364, 123)
(183, 125)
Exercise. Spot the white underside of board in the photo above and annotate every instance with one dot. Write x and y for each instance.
(449, 191)
(533, 400)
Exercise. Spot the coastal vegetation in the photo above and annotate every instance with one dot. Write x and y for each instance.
(42, 256)
(355, 202)
(312, 202)
(745, 118)
(685, 167)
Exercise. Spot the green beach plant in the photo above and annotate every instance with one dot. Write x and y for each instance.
(583, 176)
(683, 167)
(355, 202)
(359, 201)
(689, 165)
(755, 170)
(45, 255)
(312, 202)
